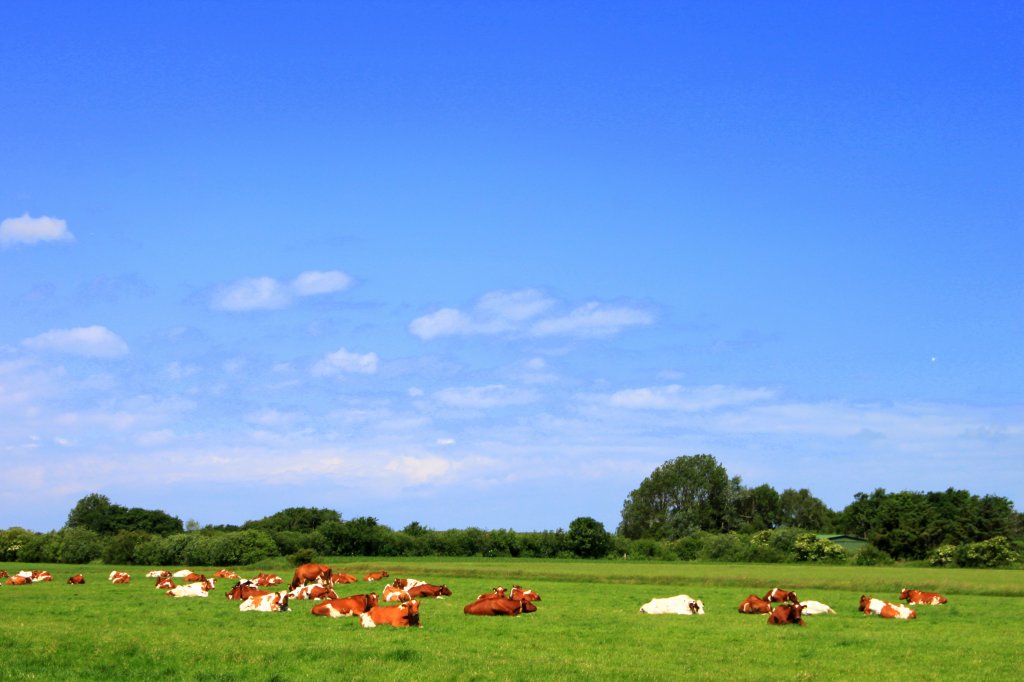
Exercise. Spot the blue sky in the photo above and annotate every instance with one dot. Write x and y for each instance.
(489, 264)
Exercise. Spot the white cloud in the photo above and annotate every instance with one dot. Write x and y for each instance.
(95, 341)
(495, 395)
(342, 361)
(266, 293)
(315, 282)
(28, 230)
(513, 306)
(446, 441)
(592, 319)
(445, 322)
(687, 399)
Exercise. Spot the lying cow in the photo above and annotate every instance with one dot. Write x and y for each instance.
(349, 606)
(201, 589)
(884, 609)
(919, 597)
(343, 578)
(430, 591)
(402, 616)
(497, 593)
(119, 578)
(274, 601)
(18, 580)
(519, 593)
(182, 573)
(754, 604)
(390, 593)
(377, 575)
(779, 594)
(499, 606)
(41, 576)
(815, 608)
(244, 589)
(165, 583)
(160, 574)
(266, 580)
(226, 574)
(680, 605)
(314, 592)
(787, 614)
(78, 579)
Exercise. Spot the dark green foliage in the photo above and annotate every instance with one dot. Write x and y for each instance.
(872, 556)
(759, 508)
(80, 546)
(587, 538)
(96, 513)
(801, 509)
(296, 519)
(302, 556)
(11, 542)
(810, 548)
(120, 547)
(992, 553)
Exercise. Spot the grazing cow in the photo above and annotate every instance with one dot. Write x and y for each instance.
(165, 583)
(244, 589)
(266, 580)
(499, 606)
(314, 592)
(402, 616)
(227, 575)
(18, 580)
(119, 578)
(884, 609)
(519, 593)
(919, 597)
(815, 608)
(201, 589)
(431, 591)
(378, 575)
(779, 594)
(182, 573)
(311, 573)
(787, 614)
(275, 601)
(680, 605)
(754, 604)
(349, 606)
(159, 574)
(390, 593)
(78, 579)
(343, 578)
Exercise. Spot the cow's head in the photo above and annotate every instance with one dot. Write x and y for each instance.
(904, 593)
(865, 603)
(445, 591)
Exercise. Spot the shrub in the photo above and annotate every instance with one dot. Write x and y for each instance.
(79, 546)
(120, 547)
(943, 555)
(872, 556)
(302, 556)
(810, 548)
(986, 554)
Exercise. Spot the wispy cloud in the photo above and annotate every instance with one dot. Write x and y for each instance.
(343, 361)
(267, 293)
(29, 230)
(527, 312)
(95, 341)
(687, 398)
(494, 395)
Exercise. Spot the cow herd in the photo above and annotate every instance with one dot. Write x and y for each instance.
(791, 610)
(399, 601)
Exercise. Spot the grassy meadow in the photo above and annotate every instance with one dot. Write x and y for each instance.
(587, 626)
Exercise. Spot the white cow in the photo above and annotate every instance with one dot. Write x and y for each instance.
(182, 573)
(198, 589)
(885, 609)
(680, 605)
(278, 601)
(159, 574)
(815, 608)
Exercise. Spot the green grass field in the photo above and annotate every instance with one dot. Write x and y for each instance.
(587, 626)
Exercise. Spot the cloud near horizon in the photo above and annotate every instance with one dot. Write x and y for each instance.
(29, 230)
(525, 313)
(267, 293)
(94, 342)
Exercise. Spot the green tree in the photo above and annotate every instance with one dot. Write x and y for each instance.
(759, 508)
(79, 545)
(801, 509)
(681, 496)
(587, 538)
(94, 512)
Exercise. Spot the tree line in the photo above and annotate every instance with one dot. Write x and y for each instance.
(688, 508)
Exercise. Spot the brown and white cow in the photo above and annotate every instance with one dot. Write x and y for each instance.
(496, 593)
(200, 589)
(159, 574)
(41, 576)
(313, 592)
(244, 589)
(18, 580)
(348, 606)
(390, 593)
(679, 605)
(4, 574)
(377, 575)
(77, 579)
(311, 573)
(401, 616)
(779, 594)
(165, 582)
(195, 578)
(343, 578)
(815, 608)
(275, 601)
(182, 573)
(226, 574)
(499, 606)
(870, 605)
(786, 614)
(429, 591)
(754, 604)
(119, 578)
(919, 597)
(267, 579)
(519, 593)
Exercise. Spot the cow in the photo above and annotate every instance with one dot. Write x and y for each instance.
(406, 583)
(244, 589)
(266, 580)
(432, 591)
(4, 574)
(78, 579)
(680, 605)
(786, 614)
(496, 593)
(390, 593)
(315, 592)
(919, 597)
(349, 606)
(119, 578)
(884, 609)
(275, 601)
(779, 594)
(182, 573)
(815, 608)
(227, 575)
(200, 589)
(499, 606)
(378, 575)
(311, 573)
(401, 616)
(165, 583)
(754, 604)
(195, 578)
(159, 574)
(343, 578)
(519, 593)
(41, 576)
(18, 580)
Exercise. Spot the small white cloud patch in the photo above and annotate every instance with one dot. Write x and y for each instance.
(266, 293)
(315, 282)
(29, 230)
(343, 361)
(94, 342)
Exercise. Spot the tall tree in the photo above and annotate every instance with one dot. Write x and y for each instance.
(801, 509)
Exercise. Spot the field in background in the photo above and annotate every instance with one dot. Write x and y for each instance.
(587, 626)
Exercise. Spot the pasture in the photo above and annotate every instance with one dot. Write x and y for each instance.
(587, 626)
